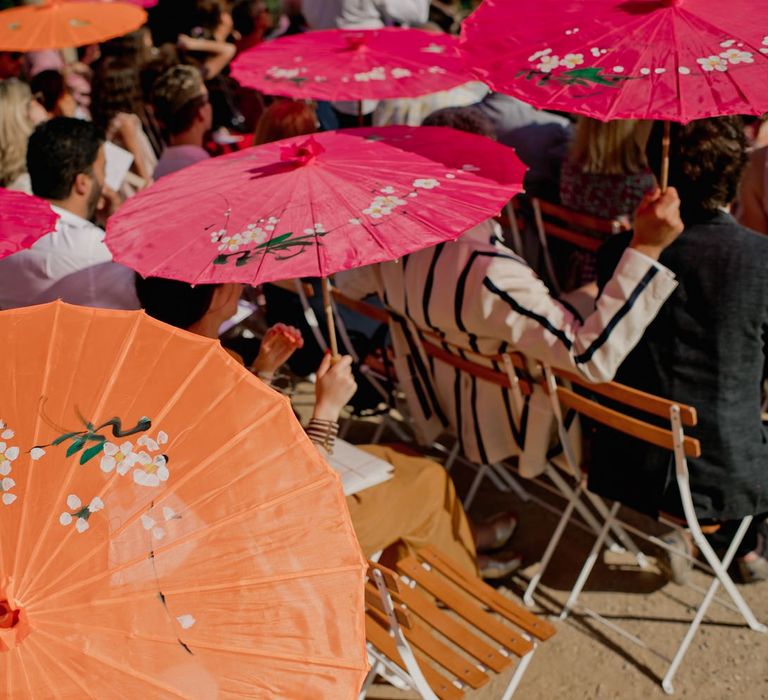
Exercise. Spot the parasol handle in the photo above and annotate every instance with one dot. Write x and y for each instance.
(360, 117)
(328, 307)
(665, 142)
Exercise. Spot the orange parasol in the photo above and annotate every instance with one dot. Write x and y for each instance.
(166, 528)
(58, 24)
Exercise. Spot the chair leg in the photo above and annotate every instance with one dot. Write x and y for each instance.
(551, 546)
(369, 679)
(627, 543)
(510, 481)
(721, 576)
(452, 455)
(589, 563)
(481, 472)
(518, 675)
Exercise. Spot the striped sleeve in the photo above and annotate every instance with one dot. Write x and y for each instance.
(543, 328)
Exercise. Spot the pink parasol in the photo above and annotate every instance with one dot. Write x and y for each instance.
(676, 60)
(23, 220)
(343, 64)
(311, 207)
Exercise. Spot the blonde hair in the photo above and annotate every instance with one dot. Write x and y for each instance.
(611, 148)
(15, 129)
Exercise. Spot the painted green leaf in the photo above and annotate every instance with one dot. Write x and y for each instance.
(275, 241)
(220, 260)
(76, 446)
(91, 452)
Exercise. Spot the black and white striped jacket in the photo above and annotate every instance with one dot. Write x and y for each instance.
(478, 294)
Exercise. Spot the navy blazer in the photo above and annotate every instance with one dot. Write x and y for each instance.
(706, 348)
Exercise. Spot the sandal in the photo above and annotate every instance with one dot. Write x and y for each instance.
(496, 566)
(676, 563)
(496, 532)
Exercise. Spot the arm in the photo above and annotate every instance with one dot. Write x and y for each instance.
(220, 53)
(129, 132)
(539, 326)
(334, 388)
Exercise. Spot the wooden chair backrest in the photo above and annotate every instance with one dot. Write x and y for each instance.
(631, 398)
(482, 628)
(435, 350)
(580, 230)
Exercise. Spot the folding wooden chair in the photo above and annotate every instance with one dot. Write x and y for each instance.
(623, 398)
(445, 652)
(581, 231)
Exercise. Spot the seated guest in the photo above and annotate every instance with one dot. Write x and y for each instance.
(539, 138)
(707, 347)
(180, 102)
(20, 113)
(65, 159)
(606, 173)
(50, 88)
(415, 508)
(479, 295)
(284, 119)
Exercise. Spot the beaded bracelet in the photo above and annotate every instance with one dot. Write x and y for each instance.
(323, 433)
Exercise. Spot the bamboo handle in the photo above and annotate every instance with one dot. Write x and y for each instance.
(328, 307)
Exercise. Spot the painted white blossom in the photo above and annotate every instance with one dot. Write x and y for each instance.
(80, 515)
(284, 73)
(426, 183)
(8, 454)
(536, 56)
(735, 56)
(118, 457)
(400, 73)
(37, 453)
(435, 70)
(6, 485)
(186, 621)
(377, 73)
(434, 48)
(152, 474)
(548, 63)
(712, 63)
(571, 60)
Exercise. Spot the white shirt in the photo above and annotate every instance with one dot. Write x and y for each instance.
(73, 264)
(363, 14)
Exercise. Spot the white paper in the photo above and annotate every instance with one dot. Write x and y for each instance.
(118, 163)
(358, 470)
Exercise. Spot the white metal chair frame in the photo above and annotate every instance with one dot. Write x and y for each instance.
(717, 567)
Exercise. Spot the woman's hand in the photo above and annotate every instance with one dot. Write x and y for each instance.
(334, 388)
(280, 342)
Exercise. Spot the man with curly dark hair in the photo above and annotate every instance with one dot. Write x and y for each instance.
(707, 348)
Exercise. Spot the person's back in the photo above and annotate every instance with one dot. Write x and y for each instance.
(706, 348)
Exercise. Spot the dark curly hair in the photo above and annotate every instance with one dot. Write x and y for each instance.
(707, 158)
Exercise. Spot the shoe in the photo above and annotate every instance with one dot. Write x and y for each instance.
(496, 532)
(752, 571)
(496, 566)
(674, 563)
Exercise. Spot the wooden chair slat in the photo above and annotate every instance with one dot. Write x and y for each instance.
(625, 424)
(373, 600)
(441, 654)
(588, 222)
(418, 604)
(375, 313)
(464, 607)
(379, 637)
(580, 240)
(635, 398)
(535, 626)
(290, 286)
(518, 361)
(474, 369)
(390, 577)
